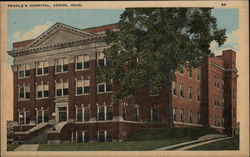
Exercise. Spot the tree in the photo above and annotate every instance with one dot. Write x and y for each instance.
(153, 43)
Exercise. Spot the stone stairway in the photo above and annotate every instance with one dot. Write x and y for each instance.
(40, 138)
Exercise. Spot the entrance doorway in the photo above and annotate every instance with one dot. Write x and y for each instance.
(61, 112)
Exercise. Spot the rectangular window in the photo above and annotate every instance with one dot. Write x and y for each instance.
(105, 112)
(103, 61)
(82, 87)
(62, 88)
(86, 114)
(124, 112)
(174, 114)
(190, 117)
(190, 93)
(104, 87)
(155, 114)
(174, 89)
(101, 136)
(79, 114)
(82, 114)
(101, 113)
(24, 93)
(190, 73)
(198, 73)
(181, 116)
(82, 62)
(109, 112)
(42, 68)
(24, 117)
(24, 70)
(198, 95)
(135, 113)
(42, 91)
(216, 100)
(109, 136)
(61, 65)
(181, 91)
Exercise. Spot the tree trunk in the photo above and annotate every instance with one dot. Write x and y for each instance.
(168, 84)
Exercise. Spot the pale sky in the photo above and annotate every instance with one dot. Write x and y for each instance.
(28, 24)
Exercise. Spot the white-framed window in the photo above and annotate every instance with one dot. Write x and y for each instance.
(135, 113)
(190, 73)
(155, 114)
(104, 87)
(190, 93)
(181, 115)
(174, 114)
(24, 117)
(181, 91)
(42, 116)
(62, 88)
(103, 61)
(82, 114)
(42, 91)
(42, 68)
(82, 86)
(174, 88)
(198, 95)
(61, 65)
(198, 74)
(104, 136)
(216, 100)
(80, 136)
(82, 62)
(23, 70)
(216, 81)
(190, 117)
(154, 91)
(105, 112)
(24, 92)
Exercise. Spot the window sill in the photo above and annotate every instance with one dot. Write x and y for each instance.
(23, 77)
(23, 99)
(82, 122)
(42, 75)
(104, 92)
(82, 94)
(42, 98)
(82, 69)
(63, 96)
(61, 72)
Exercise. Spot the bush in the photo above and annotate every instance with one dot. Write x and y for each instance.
(171, 133)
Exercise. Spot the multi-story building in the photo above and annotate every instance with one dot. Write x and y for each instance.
(56, 91)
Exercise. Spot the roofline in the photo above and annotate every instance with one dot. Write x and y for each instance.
(100, 26)
(22, 41)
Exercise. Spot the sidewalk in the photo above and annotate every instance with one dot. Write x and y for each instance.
(27, 147)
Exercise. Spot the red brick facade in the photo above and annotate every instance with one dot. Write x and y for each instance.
(198, 98)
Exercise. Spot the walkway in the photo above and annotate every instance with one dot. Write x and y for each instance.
(27, 147)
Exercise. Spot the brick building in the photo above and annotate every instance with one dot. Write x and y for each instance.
(56, 92)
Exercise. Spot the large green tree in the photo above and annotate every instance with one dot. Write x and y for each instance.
(153, 43)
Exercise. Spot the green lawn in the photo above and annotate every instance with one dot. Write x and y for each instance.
(114, 146)
(11, 147)
(229, 144)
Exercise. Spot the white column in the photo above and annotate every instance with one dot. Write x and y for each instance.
(42, 115)
(83, 135)
(83, 114)
(105, 112)
(97, 112)
(24, 117)
(105, 135)
(76, 114)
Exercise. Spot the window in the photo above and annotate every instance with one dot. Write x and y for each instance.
(104, 87)
(24, 117)
(61, 65)
(216, 100)
(42, 91)
(80, 136)
(174, 114)
(198, 95)
(42, 68)
(62, 88)
(109, 136)
(198, 118)
(155, 114)
(190, 93)
(101, 136)
(105, 112)
(190, 117)
(198, 74)
(82, 62)
(190, 73)
(181, 91)
(105, 136)
(124, 112)
(24, 70)
(24, 93)
(82, 87)
(154, 91)
(82, 114)
(42, 116)
(174, 89)
(216, 82)
(181, 116)
(135, 113)
(103, 61)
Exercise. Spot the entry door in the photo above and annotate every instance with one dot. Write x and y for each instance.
(62, 114)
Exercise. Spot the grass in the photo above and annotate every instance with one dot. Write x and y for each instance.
(229, 144)
(11, 147)
(114, 146)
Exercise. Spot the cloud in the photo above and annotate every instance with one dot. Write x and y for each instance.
(231, 43)
(32, 33)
